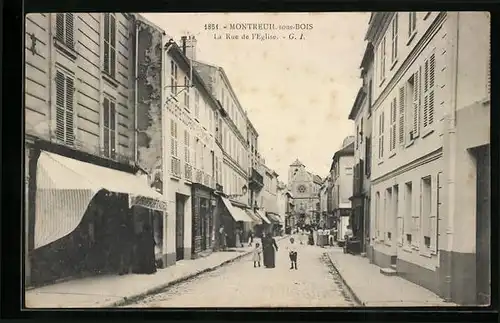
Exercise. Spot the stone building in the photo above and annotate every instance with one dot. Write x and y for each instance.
(430, 160)
(84, 160)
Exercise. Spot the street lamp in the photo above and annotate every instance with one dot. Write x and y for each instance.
(244, 190)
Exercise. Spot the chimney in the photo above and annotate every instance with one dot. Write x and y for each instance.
(183, 44)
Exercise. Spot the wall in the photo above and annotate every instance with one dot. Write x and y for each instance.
(344, 181)
(85, 65)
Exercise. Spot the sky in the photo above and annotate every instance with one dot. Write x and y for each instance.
(298, 92)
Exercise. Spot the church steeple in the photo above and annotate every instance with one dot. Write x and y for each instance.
(296, 163)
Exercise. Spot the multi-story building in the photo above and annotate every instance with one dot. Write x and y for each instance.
(255, 168)
(431, 150)
(304, 187)
(323, 202)
(282, 201)
(82, 152)
(361, 115)
(269, 200)
(195, 156)
(232, 127)
(341, 187)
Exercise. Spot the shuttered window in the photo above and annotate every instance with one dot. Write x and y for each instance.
(426, 213)
(186, 92)
(65, 29)
(382, 60)
(173, 77)
(381, 136)
(173, 139)
(412, 23)
(65, 131)
(187, 148)
(394, 44)
(429, 80)
(197, 105)
(416, 104)
(110, 44)
(401, 126)
(392, 134)
(109, 129)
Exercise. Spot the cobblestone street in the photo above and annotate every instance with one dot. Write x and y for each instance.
(241, 285)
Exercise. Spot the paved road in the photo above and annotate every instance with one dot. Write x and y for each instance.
(239, 284)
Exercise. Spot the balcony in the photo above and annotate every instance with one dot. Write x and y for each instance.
(199, 176)
(256, 180)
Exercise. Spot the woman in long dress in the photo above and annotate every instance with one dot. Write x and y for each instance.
(269, 247)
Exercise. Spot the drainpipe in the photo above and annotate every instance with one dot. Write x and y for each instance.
(451, 162)
(135, 88)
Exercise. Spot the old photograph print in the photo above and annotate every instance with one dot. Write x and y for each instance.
(257, 159)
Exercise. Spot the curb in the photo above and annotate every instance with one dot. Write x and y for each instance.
(354, 295)
(154, 290)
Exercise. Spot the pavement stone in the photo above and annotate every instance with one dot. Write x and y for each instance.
(371, 288)
(241, 285)
(114, 290)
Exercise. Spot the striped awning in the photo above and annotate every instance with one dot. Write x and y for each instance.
(255, 217)
(65, 187)
(262, 216)
(236, 213)
(273, 217)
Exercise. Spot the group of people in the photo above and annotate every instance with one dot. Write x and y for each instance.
(268, 252)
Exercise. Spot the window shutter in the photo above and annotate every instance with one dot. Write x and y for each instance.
(69, 30)
(60, 106)
(106, 121)
(112, 45)
(401, 114)
(416, 104)
(60, 27)
(426, 96)
(70, 130)
(394, 116)
(172, 138)
(432, 71)
(106, 42)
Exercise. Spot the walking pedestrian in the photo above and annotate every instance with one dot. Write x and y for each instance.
(256, 255)
(269, 247)
(292, 253)
(222, 238)
(250, 238)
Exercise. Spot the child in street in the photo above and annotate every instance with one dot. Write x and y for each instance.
(292, 253)
(256, 255)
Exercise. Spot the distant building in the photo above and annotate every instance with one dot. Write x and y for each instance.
(341, 172)
(304, 187)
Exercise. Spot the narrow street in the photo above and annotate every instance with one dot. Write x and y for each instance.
(239, 284)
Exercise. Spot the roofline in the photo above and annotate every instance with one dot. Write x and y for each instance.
(143, 19)
(367, 56)
(357, 103)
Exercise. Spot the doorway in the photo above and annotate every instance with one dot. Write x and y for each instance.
(483, 212)
(180, 202)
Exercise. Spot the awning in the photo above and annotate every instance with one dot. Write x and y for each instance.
(65, 187)
(255, 217)
(237, 213)
(262, 216)
(273, 217)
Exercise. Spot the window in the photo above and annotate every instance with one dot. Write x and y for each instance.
(392, 134)
(401, 126)
(370, 96)
(173, 77)
(65, 131)
(382, 60)
(348, 170)
(394, 38)
(396, 215)
(413, 119)
(429, 79)
(186, 92)
(196, 104)
(361, 132)
(388, 214)
(368, 156)
(377, 215)
(109, 129)
(187, 147)
(65, 29)
(110, 44)
(407, 217)
(426, 210)
(176, 166)
(412, 23)
(434, 222)
(381, 136)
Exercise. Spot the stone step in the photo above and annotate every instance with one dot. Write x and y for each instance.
(388, 272)
(393, 266)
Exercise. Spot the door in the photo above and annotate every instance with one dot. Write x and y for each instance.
(179, 226)
(483, 259)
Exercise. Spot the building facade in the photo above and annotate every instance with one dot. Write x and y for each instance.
(81, 119)
(341, 172)
(304, 187)
(422, 104)
(361, 115)
(269, 200)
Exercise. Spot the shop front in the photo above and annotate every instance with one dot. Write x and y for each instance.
(235, 220)
(86, 219)
(265, 223)
(203, 219)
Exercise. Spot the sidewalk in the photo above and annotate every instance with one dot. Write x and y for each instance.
(371, 288)
(115, 290)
